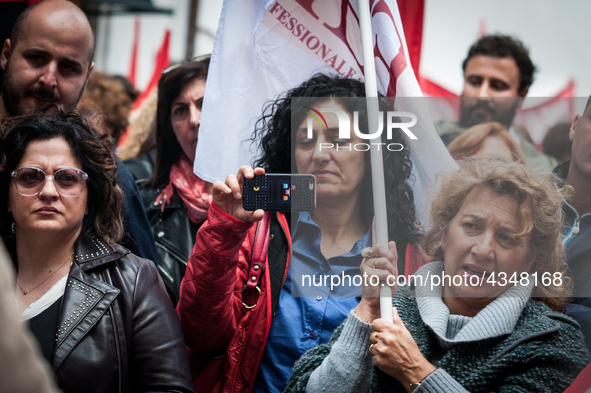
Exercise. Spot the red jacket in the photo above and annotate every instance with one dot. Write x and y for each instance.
(212, 308)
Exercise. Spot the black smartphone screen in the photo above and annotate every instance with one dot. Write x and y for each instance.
(279, 192)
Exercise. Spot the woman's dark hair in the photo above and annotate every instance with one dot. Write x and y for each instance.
(168, 148)
(274, 130)
(89, 147)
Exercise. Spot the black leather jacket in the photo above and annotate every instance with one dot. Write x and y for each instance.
(117, 330)
(174, 234)
(141, 167)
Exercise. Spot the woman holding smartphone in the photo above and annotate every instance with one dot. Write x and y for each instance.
(240, 305)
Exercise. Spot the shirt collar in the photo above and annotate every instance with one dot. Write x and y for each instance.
(304, 222)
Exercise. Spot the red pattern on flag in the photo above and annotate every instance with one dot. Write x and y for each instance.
(412, 15)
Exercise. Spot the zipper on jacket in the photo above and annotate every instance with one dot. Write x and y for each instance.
(172, 253)
(168, 276)
(576, 227)
(573, 231)
(288, 249)
(116, 331)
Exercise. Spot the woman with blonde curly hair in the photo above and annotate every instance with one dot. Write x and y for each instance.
(483, 317)
(486, 140)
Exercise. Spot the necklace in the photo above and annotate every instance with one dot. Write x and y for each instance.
(51, 275)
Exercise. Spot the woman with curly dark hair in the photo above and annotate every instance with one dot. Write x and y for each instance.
(240, 298)
(100, 313)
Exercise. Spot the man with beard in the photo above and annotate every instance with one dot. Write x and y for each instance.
(497, 75)
(52, 62)
(47, 61)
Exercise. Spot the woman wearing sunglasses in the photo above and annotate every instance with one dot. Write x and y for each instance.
(101, 314)
(175, 199)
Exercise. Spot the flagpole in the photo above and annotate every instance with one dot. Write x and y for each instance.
(377, 162)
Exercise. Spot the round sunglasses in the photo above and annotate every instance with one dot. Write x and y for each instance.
(30, 180)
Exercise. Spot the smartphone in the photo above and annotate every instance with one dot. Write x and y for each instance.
(279, 192)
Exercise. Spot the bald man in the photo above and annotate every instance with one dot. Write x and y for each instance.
(47, 60)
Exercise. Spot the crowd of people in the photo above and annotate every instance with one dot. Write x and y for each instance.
(140, 276)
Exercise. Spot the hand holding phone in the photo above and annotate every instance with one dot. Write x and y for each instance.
(228, 195)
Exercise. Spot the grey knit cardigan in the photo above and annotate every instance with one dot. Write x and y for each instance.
(544, 353)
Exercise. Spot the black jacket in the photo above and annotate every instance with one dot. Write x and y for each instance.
(142, 167)
(117, 330)
(174, 234)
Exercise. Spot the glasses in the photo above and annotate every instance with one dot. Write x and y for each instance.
(30, 181)
(197, 58)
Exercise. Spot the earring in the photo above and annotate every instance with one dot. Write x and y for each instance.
(13, 226)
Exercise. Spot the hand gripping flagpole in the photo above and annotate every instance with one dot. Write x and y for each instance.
(377, 162)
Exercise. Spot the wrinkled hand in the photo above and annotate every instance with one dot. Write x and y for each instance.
(382, 266)
(397, 354)
(228, 195)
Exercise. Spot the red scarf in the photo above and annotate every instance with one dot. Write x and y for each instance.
(190, 188)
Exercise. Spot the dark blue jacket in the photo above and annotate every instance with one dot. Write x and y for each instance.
(139, 239)
(577, 242)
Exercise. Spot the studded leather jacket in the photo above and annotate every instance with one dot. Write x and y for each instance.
(117, 330)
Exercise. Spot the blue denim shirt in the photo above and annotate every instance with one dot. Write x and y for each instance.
(308, 314)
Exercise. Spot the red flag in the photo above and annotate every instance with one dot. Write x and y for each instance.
(432, 89)
(537, 119)
(162, 61)
(412, 14)
(540, 118)
(136, 41)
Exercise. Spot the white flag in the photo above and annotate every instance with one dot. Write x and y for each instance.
(265, 47)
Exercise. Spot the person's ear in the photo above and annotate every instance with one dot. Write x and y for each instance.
(5, 55)
(89, 72)
(573, 127)
(9, 208)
